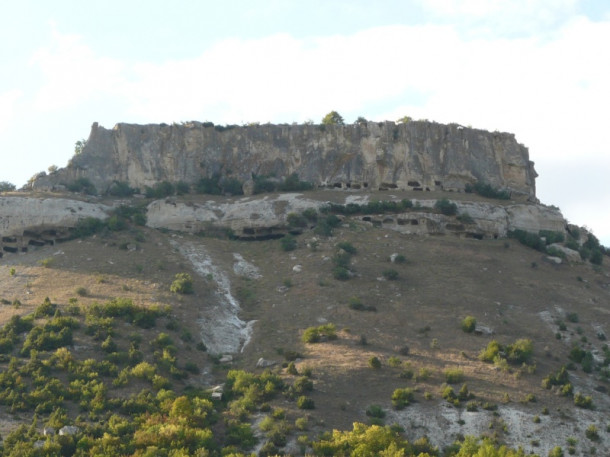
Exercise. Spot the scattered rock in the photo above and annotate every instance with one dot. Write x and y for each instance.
(226, 359)
(297, 268)
(555, 260)
(264, 363)
(68, 430)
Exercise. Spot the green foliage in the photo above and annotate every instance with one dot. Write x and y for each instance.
(486, 190)
(403, 397)
(296, 220)
(446, 207)
(332, 118)
(454, 375)
(45, 309)
(375, 411)
(390, 274)
(182, 284)
(6, 186)
(347, 247)
(490, 352)
(356, 304)
(592, 433)
(304, 402)
(326, 332)
(375, 363)
(373, 207)
(469, 324)
(551, 236)
(82, 185)
(559, 378)
(528, 239)
(583, 401)
(288, 243)
(120, 189)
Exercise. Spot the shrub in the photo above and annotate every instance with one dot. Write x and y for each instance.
(490, 352)
(317, 334)
(347, 247)
(288, 243)
(183, 284)
(486, 190)
(83, 185)
(528, 239)
(469, 323)
(402, 397)
(296, 220)
(520, 351)
(304, 402)
(375, 411)
(390, 274)
(583, 401)
(446, 207)
(120, 189)
(592, 432)
(454, 375)
(81, 291)
(341, 273)
(375, 363)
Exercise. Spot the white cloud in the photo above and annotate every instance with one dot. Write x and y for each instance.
(551, 90)
(72, 73)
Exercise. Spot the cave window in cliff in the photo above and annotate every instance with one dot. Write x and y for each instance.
(365, 184)
(413, 183)
(414, 222)
(337, 185)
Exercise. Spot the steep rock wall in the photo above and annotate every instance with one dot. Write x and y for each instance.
(416, 155)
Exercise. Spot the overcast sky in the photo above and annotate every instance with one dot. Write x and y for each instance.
(537, 68)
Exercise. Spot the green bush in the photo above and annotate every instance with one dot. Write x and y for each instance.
(304, 402)
(320, 333)
(528, 239)
(583, 401)
(446, 207)
(183, 284)
(486, 190)
(375, 363)
(120, 189)
(390, 274)
(341, 273)
(454, 375)
(469, 324)
(296, 220)
(402, 397)
(82, 185)
(347, 247)
(490, 352)
(375, 411)
(288, 243)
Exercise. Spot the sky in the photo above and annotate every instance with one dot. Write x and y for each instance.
(537, 68)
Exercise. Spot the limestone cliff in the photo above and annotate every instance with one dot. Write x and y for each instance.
(416, 155)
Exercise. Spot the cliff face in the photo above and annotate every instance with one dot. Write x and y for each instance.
(416, 155)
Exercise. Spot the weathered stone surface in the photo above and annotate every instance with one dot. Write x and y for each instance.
(35, 221)
(416, 155)
(267, 216)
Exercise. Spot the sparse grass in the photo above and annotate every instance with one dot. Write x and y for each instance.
(454, 375)
(48, 262)
(390, 274)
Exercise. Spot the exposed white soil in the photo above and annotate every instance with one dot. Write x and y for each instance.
(222, 331)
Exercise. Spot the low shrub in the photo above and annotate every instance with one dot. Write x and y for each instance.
(446, 207)
(316, 334)
(288, 243)
(469, 324)
(402, 397)
(182, 284)
(390, 274)
(304, 402)
(375, 363)
(454, 375)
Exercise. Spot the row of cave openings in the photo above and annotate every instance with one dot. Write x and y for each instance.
(411, 185)
(31, 239)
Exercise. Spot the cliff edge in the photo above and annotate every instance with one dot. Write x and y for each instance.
(417, 155)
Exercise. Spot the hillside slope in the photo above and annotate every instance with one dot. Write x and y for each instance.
(254, 300)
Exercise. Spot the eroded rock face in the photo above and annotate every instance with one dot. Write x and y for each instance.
(264, 217)
(416, 155)
(26, 221)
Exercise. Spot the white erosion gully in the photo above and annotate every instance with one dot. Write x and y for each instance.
(222, 331)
